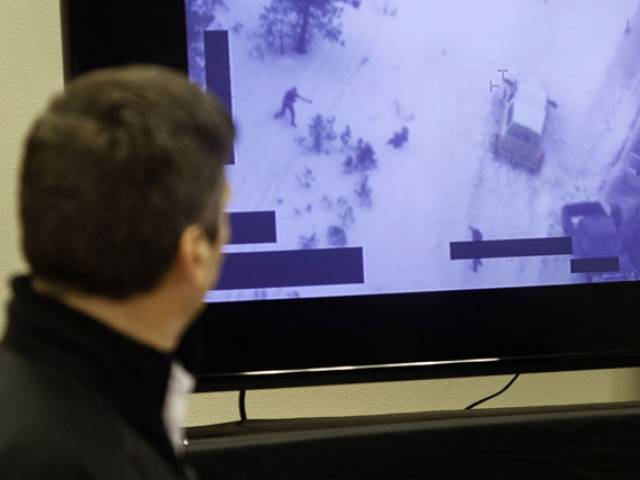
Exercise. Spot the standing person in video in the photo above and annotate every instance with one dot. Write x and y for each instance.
(288, 101)
(476, 236)
(122, 201)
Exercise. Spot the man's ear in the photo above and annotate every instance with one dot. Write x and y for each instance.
(193, 257)
(199, 257)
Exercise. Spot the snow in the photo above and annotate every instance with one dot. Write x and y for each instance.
(428, 65)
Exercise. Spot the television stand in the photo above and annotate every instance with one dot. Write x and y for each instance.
(600, 441)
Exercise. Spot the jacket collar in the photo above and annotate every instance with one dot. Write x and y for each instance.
(130, 376)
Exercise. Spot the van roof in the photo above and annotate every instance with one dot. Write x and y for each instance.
(530, 106)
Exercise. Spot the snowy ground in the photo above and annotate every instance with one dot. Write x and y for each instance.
(428, 65)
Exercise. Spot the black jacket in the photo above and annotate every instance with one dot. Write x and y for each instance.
(79, 401)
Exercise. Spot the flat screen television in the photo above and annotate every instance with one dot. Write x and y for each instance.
(420, 188)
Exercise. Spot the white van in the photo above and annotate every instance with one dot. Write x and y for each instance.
(521, 126)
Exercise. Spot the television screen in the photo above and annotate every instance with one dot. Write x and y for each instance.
(395, 146)
(421, 189)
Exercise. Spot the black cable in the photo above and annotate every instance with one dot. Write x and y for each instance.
(490, 397)
(242, 405)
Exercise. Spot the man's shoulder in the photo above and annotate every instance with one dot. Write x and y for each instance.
(31, 459)
(44, 418)
(30, 391)
(50, 423)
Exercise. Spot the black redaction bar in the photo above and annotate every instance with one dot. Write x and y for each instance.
(218, 70)
(595, 265)
(252, 227)
(292, 268)
(527, 247)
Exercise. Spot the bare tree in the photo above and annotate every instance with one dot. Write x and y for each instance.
(202, 16)
(290, 25)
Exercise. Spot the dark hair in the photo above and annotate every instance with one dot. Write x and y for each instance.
(114, 171)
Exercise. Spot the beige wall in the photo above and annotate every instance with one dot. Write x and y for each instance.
(404, 397)
(31, 70)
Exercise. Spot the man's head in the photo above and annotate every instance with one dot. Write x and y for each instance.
(123, 184)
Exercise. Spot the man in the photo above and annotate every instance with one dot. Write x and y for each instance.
(122, 197)
(288, 101)
(476, 236)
